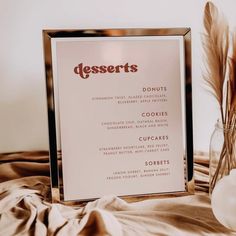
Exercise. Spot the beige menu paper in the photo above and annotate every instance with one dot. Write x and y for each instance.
(120, 101)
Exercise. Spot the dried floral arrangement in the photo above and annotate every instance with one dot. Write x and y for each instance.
(220, 52)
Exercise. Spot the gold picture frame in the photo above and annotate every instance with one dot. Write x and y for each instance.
(120, 45)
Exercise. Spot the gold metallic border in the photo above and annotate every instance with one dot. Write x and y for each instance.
(55, 157)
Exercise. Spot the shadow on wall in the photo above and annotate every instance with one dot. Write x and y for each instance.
(23, 117)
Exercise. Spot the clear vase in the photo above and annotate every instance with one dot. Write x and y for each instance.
(222, 153)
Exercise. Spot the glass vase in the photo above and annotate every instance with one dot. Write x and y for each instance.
(222, 153)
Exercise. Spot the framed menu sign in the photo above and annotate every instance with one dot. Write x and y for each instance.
(119, 111)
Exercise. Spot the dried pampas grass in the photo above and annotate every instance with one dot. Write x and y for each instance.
(220, 78)
(216, 46)
(232, 82)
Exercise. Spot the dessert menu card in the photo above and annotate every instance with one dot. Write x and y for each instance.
(121, 106)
